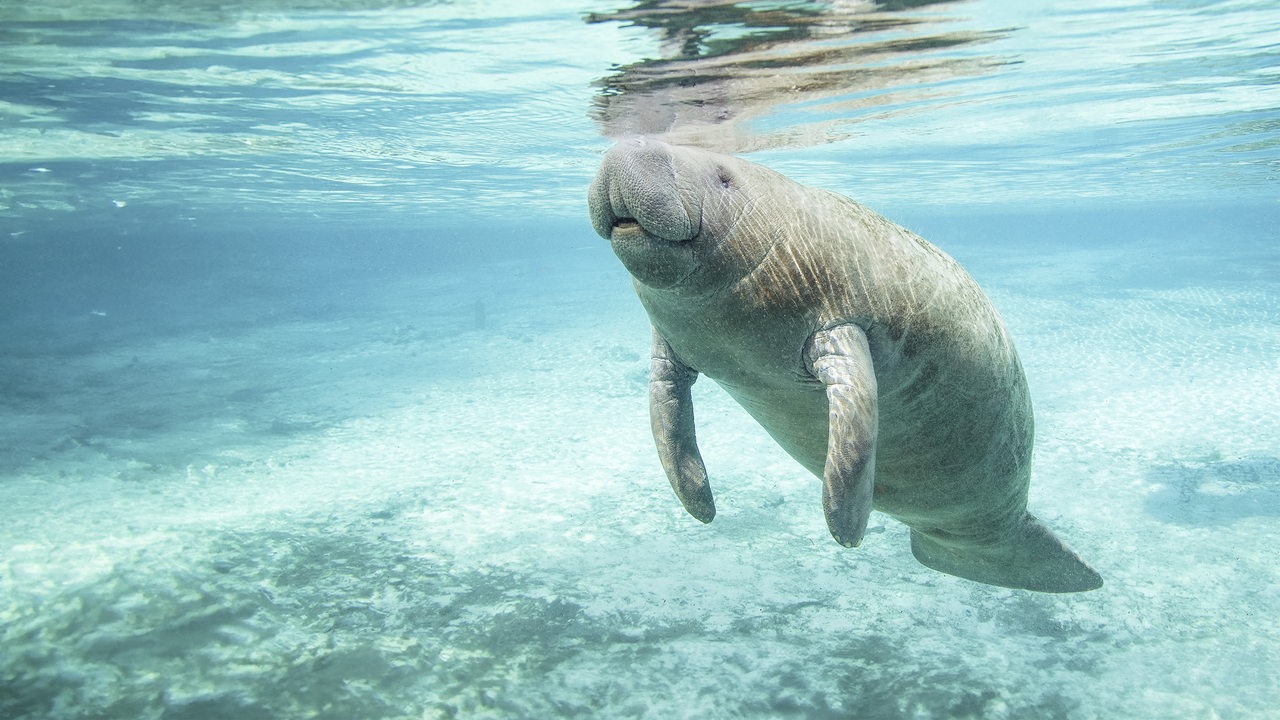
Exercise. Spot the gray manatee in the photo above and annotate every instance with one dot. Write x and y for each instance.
(867, 353)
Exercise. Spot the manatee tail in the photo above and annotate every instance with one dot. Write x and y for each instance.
(1028, 557)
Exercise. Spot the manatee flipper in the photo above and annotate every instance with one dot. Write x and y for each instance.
(671, 416)
(840, 358)
(1025, 555)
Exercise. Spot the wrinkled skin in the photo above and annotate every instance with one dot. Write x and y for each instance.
(867, 353)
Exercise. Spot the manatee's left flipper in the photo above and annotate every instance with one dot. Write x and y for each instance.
(671, 416)
(840, 358)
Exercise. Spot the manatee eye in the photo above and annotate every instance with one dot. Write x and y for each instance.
(726, 180)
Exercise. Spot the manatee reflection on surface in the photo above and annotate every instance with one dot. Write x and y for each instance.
(727, 69)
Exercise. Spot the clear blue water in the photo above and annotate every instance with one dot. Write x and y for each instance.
(320, 398)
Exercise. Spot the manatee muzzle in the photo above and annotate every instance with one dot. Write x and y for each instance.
(637, 189)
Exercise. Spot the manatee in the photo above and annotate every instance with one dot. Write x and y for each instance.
(868, 354)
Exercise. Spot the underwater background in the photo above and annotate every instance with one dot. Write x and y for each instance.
(320, 398)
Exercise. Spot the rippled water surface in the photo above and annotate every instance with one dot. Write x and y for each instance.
(319, 397)
(460, 108)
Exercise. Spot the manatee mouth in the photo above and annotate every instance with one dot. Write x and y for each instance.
(625, 223)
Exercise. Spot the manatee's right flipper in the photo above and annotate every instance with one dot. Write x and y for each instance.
(671, 415)
(1026, 555)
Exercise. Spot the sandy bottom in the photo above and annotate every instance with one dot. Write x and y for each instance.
(442, 501)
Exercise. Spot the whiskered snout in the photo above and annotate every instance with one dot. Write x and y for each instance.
(637, 188)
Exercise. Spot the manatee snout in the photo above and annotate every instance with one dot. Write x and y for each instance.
(638, 188)
(646, 201)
